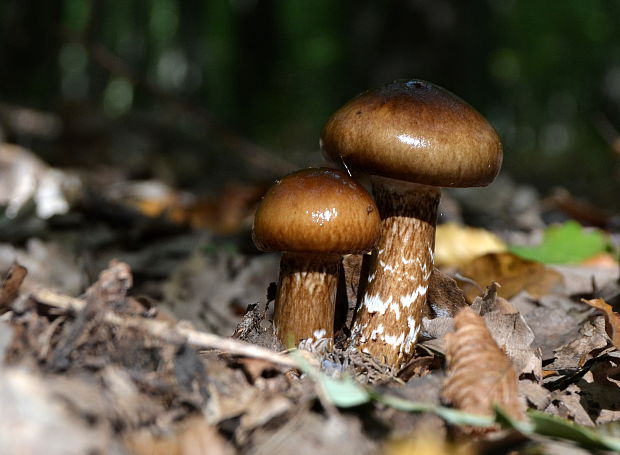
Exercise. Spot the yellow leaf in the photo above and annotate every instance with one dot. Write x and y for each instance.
(427, 442)
(456, 245)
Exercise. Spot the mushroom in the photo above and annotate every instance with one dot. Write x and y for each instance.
(412, 137)
(313, 216)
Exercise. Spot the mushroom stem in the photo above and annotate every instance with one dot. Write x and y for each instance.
(388, 320)
(305, 301)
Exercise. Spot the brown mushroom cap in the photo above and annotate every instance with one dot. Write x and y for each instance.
(316, 211)
(414, 131)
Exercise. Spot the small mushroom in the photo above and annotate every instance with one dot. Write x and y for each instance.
(313, 216)
(412, 137)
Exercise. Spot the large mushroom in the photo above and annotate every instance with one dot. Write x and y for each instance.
(313, 216)
(412, 137)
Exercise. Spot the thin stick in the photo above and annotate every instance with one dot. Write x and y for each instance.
(167, 332)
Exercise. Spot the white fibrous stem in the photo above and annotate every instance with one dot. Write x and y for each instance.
(305, 301)
(389, 316)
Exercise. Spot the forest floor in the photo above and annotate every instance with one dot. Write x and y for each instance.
(135, 319)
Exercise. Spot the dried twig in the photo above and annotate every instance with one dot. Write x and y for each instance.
(164, 330)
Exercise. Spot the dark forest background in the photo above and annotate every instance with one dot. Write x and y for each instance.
(200, 93)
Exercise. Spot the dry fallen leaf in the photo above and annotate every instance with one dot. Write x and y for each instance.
(601, 260)
(599, 390)
(444, 297)
(204, 287)
(194, 437)
(456, 245)
(36, 420)
(567, 404)
(229, 211)
(590, 342)
(479, 372)
(509, 330)
(10, 288)
(225, 213)
(25, 177)
(427, 442)
(612, 319)
(513, 273)
(67, 274)
(535, 394)
(263, 410)
(255, 368)
(419, 366)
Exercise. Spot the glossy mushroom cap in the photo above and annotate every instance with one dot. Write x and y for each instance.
(316, 211)
(417, 132)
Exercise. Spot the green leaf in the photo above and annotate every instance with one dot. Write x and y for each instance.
(453, 416)
(567, 243)
(346, 393)
(507, 421)
(557, 427)
(343, 393)
(543, 424)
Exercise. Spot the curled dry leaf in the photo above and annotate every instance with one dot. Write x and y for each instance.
(480, 374)
(612, 319)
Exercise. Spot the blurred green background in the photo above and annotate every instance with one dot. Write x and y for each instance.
(202, 92)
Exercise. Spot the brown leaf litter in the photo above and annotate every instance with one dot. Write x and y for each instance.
(138, 381)
(192, 437)
(140, 384)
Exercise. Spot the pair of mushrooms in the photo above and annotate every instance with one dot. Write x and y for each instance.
(412, 137)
